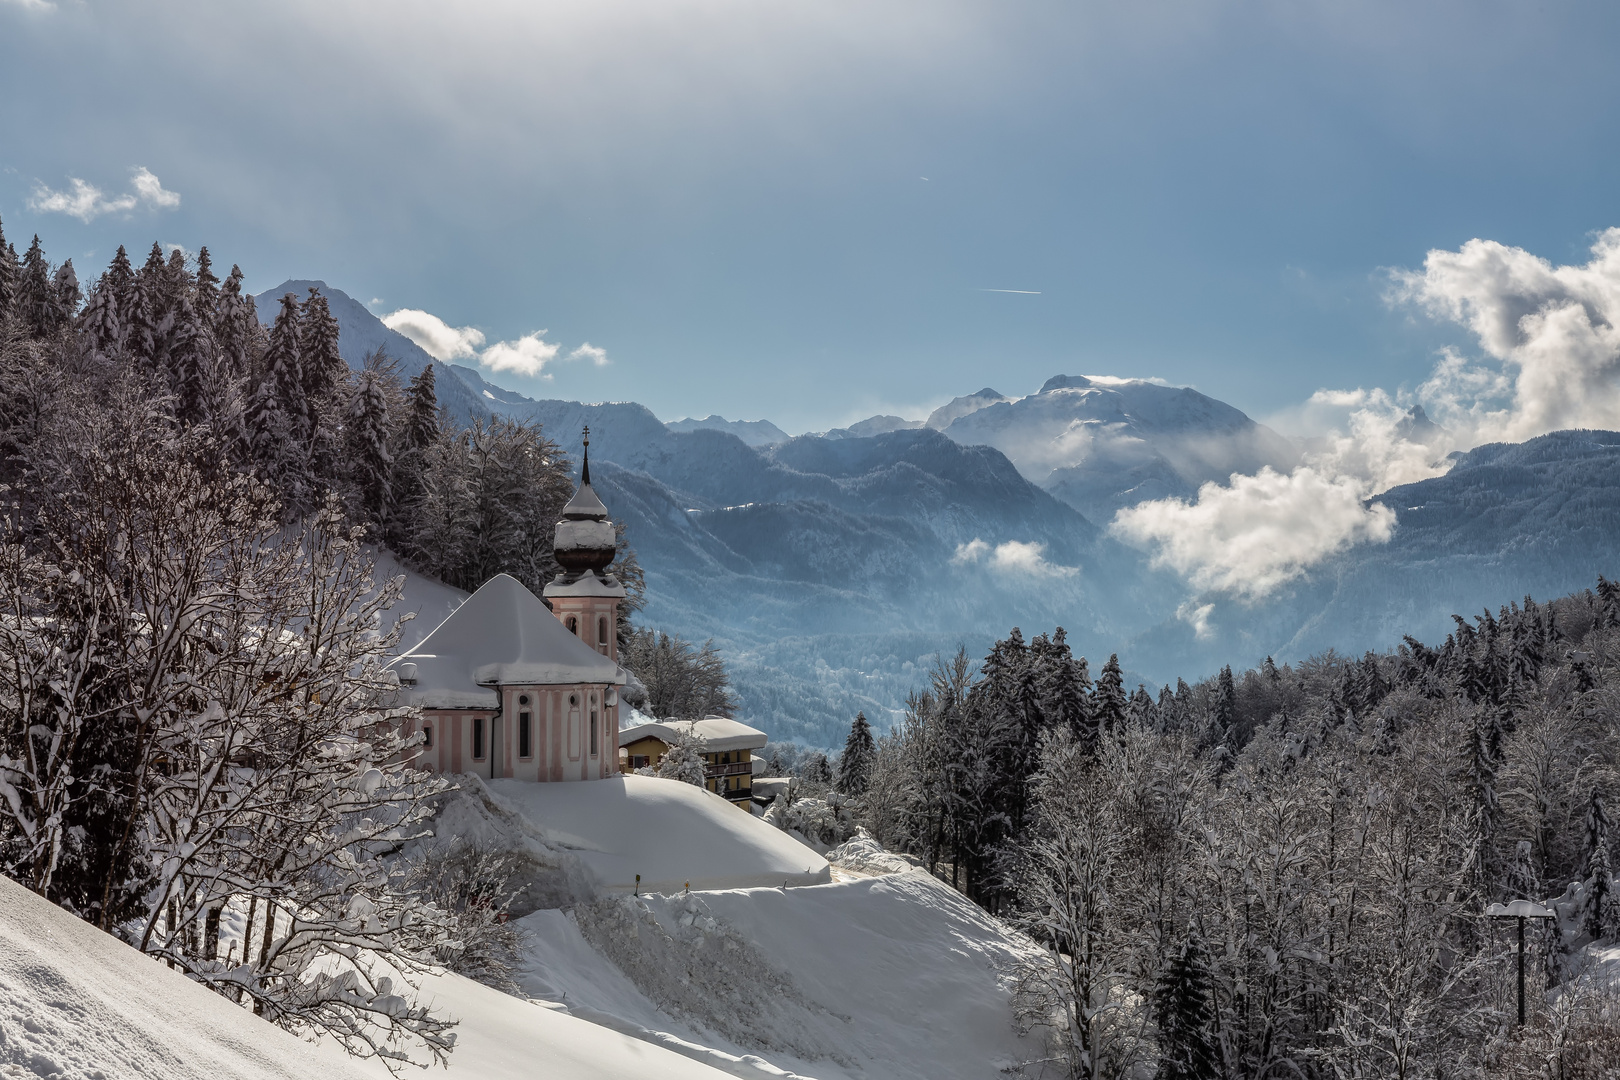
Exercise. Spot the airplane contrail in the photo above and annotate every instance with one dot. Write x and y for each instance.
(1020, 292)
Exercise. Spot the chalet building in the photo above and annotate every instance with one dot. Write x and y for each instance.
(729, 763)
(508, 688)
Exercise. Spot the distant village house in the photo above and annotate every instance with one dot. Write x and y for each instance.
(729, 763)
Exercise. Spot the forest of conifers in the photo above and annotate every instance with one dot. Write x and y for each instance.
(1283, 872)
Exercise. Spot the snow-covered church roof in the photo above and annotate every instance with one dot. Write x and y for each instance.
(502, 635)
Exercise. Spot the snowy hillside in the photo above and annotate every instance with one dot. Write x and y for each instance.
(895, 976)
(78, 1004)
(670, 833)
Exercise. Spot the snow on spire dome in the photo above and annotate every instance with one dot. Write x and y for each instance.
(585, 541)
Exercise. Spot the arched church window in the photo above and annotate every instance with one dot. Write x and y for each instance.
(427, 736)
(573, 626)
(602, 633)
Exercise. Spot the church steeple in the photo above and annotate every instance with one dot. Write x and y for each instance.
(585, 596)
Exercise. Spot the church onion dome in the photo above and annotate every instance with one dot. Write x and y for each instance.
(585, 539)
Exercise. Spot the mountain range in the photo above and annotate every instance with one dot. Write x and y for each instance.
(832, 567)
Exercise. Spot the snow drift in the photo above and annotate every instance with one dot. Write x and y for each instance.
(668, 832)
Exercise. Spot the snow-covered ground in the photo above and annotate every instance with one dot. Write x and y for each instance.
(894, 976)
(77, 1004)
(668, 832)
(884, 972)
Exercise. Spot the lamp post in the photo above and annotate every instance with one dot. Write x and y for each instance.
(1520, 910)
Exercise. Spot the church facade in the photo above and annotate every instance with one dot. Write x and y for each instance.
(510, 688)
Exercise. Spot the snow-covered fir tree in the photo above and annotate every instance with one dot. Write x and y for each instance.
(855, 765)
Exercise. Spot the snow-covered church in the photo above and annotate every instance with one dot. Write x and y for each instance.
(508, 688)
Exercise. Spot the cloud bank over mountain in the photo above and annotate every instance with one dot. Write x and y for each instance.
(1551, 361)
(1549, 334)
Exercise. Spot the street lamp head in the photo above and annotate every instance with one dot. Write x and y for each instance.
(1519, 909)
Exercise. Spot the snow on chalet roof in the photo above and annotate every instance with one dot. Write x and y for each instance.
(718, 733)
(502, 635)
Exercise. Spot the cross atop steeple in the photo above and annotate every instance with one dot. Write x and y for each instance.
(585, 469)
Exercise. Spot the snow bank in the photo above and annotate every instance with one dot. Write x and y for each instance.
(920, 972)
(78, 1004)
(501, 1037)
(896, 976)
(668, 832)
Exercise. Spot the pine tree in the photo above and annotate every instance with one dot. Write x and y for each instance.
(322, 367)
(1188, 1049)
(190, 363)
(855, 767)
(1608, 602)
(419, 430)
(99, 322)
(816, 770)
(366, 435)
(65, 286)
(120, 276)
(10, 277)
(177, 281)
(279, 416)
(1066, 689)
(1108, 699)
(235, 326)
(206, 292)
(1225, 704)
(1598, 876)
(36, 298)
(141, 323)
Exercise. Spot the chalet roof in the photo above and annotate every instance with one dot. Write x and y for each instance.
(501, 635)
(718, 733)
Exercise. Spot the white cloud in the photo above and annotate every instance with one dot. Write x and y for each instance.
(525, 356)
(528, 355)
(1550, 334)
(1197, 615)
(87, 202)
(1258, 532)
(970, 552)
(438, 338)
(32, 5)
(151, 191)
(1013, 556)
(82, 200)
(593, 353)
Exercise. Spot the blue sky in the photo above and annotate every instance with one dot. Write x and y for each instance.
(793, 209)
